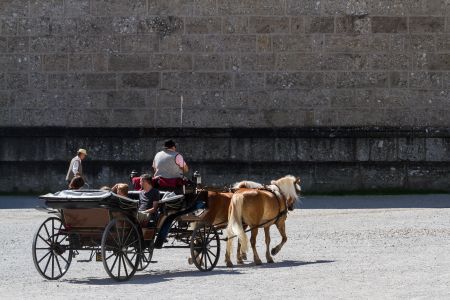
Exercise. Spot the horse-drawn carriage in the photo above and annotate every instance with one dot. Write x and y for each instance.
(106, 224)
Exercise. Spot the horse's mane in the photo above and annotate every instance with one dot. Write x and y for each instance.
(247, 184)
(287, 186)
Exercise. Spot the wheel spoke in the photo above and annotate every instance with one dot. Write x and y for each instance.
(210, 262)
(59, 266)
(120, 263)
(67, 262)
(53, 266)
(118, 236)
(53, 231)
(43, 248)
(42, 258)
(212, 253)
(109, 256)
(114, 263)
(125, 264)
(128, 236)
(48, 262)
(206, 263)
(44, 240)
(59, 234)
(127, 246)
(46, 230)
(112, 236)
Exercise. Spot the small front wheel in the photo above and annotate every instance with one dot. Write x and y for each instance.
(205, 247)
(52, 254)
(121, 249)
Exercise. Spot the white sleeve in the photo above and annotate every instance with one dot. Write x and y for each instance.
(76, 165)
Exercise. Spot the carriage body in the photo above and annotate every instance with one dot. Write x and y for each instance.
(106, 224)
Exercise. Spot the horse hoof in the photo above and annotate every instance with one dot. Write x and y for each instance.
(274, 251)
(270, 261)
(244, 256)
(258, 262)
(229, 264)
(190, 261)
(240, 262)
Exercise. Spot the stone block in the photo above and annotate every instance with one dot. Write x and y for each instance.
(294, 80)
(426, 24)
(411, 149)
(443, 42)
(285, 150)
(437, 149)
(139, 43)
(362, 80)
(231, 43)
(55, 62)
(320, 150)
(182, 8)
(168, 62)
(319, 24)
(396, 61)
(432, 61)
(128, 62)
(94, 25)
(42, 44)
(353, 25)
(3, 44)
(264, 43)
(184, 43)
(297, 25)
(139, 80)
(235, 24)
(43, 8)
(251, 7)
(202, 25)
(16, 81)
(249, 81)
(18, 44)
(345, 43)
(200, 80)
(368, 149)
(132, 99)
(422, 42)
(80, 62)
(133, 117)
(376, 177)
(299, 43)
(163, 26)
(349, 7)
(208, 62)
(330, 177)
(15, 8)
(118, 7)
(389, 25)
(303, 7)
(76, 8)
(268, 24)
(395, 7)
(398, 79)
(426, 80)
(252, 62)
(101, 81)
(431, 176)
(66, 81)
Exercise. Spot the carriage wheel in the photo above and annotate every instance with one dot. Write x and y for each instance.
(205, 247)
(51, 249)
(121, 249)
(146, 257)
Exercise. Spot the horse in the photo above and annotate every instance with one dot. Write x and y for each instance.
(261, 208)
(218, 204)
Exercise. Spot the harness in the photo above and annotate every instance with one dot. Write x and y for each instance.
(277, 218)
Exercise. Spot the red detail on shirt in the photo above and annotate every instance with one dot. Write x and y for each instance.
(136, 183)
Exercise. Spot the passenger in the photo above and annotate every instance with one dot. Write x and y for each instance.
(105, 188)
(75, 167)
(148, 200)
(135, 180)
(169, 166)
(120, 189)
(76, 183)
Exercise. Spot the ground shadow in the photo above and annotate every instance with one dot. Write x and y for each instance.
(375, 201)
(276, 265)
(146, 277)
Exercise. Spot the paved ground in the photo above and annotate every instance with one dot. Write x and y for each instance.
(399, 250)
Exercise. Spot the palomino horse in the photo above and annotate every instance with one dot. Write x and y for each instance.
(218, 205)
(261, 208)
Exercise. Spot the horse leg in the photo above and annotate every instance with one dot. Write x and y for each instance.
(228, 252)
(282, 229)
(238, 254)
(267, 234)
(253, 243)
(243, 255)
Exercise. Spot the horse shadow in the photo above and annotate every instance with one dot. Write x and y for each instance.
(276, 265)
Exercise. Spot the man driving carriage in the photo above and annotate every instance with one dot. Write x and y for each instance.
(169, 167)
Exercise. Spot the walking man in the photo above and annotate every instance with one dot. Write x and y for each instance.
(75, 167)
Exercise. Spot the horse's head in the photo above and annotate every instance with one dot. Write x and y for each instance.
(290, 188)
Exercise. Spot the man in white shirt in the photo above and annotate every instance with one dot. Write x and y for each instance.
(75, 167)
(169, 166)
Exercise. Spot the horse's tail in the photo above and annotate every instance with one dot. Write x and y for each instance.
(235, 221)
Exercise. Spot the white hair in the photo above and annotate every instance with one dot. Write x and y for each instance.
(247, 184)
(288, 186)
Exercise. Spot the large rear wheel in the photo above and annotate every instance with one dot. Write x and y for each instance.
(51, 249)
(205, 247)
(121, 249)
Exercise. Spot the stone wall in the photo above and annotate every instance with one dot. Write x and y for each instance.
(379, 66)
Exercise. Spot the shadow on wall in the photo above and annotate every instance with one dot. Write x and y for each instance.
(374, 202)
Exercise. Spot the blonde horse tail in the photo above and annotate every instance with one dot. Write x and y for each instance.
(235, 222)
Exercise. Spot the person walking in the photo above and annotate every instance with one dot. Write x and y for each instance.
(75, 167)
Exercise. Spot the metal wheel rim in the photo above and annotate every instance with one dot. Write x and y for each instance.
(146, 257)
(202, 253)
(51, 251)
(121, 249)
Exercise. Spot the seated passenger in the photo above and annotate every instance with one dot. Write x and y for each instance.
(169, 167)
(148, 200)
(120, 189)
(76, 183)
(135, 181)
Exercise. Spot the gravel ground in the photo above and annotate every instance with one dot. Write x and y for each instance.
(330, 253)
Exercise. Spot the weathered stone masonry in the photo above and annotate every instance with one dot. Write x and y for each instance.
(347, 94)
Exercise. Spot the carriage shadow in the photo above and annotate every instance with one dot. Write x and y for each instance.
(276, 265)
(147, 277)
